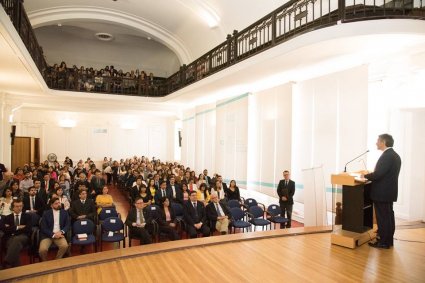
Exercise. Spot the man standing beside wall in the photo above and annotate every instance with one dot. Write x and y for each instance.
(286, 191)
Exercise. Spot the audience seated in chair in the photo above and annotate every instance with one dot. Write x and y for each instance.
(17, 229)
(54, 225)
(195, 217)
(218, 214)
(139, 223)
(104, 199)
(83, 208)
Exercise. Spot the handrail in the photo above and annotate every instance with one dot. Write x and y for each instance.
(18, 16)
(286, 22)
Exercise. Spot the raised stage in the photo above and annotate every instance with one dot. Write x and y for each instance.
(291, 255)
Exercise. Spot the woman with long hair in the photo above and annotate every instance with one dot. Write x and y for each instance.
(6, 202)
(203, 195)
(233, 191)
(167, 219)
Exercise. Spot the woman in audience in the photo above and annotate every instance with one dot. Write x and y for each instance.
(104, 200)
(152, 188)
(145, 195)
(19, 174)
(218, 190)
(233, 191)
(203, 195)
(53, 174)
(65, 185)
(167, 220)
(186, 192)
(201, 180)
(16, 192)
(192, 186)
(62, 197)
(5, 202)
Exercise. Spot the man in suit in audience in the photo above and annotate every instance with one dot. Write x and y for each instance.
(17, 228)
(33, 204)
(162, 192)
(54, 225)
(83, 208)
(139, 222)
(218, 214)
(286, 191)
(384, 190)
(97, 183)
(135, 190)
(46, 187)
(176, 190)
(195, 217)
(208, 180)
(223, 185)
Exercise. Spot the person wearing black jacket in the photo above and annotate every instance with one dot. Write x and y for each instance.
(384, 190)
(195, 217)
(17, 228)
(286, 191)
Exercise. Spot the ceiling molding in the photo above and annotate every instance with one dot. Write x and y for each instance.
(62, 14)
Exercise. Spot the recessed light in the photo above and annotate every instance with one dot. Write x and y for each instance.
(59, 24)
(104, 36)
(149, 38)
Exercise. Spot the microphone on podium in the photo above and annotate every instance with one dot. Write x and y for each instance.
(345, 168)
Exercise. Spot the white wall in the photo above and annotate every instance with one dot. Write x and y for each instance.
(232, 138)
(329, 122)
(150, 136)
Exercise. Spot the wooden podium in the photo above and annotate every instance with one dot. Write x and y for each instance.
(357, 212)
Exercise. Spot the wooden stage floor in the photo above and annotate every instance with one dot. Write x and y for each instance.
(270, 256)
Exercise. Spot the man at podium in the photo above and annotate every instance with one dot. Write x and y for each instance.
(384, 190)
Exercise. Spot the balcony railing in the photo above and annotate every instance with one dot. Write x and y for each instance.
(288, 21)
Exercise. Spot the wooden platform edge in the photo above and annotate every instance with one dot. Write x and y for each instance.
(43, 268)
(351, 239)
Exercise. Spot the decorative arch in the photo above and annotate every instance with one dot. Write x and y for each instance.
(54, 15)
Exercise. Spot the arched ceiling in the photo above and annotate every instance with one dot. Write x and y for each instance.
(179, 31)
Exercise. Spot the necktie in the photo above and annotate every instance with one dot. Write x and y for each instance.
(286, 183)
(194, 206)
(163, 193)
(142, 219)
(33, 203)
(218, 210)
(83, 201)
(16, 220)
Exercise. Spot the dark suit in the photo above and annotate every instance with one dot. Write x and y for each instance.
(212, 214)
(287, 191)
(192, 217)
(159, 195)
(97, 185)
(179, 193)
(78, 208)
(134, 193)
(139, 232)
(46, 190)
(164, 226)
(39, 204)
(16, 239)
(384, 192)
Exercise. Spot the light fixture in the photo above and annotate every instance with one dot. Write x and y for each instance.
(67, 123)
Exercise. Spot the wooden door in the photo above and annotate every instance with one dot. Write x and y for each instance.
(21, 152)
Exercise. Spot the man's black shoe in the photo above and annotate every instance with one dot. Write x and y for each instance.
(379, 245)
